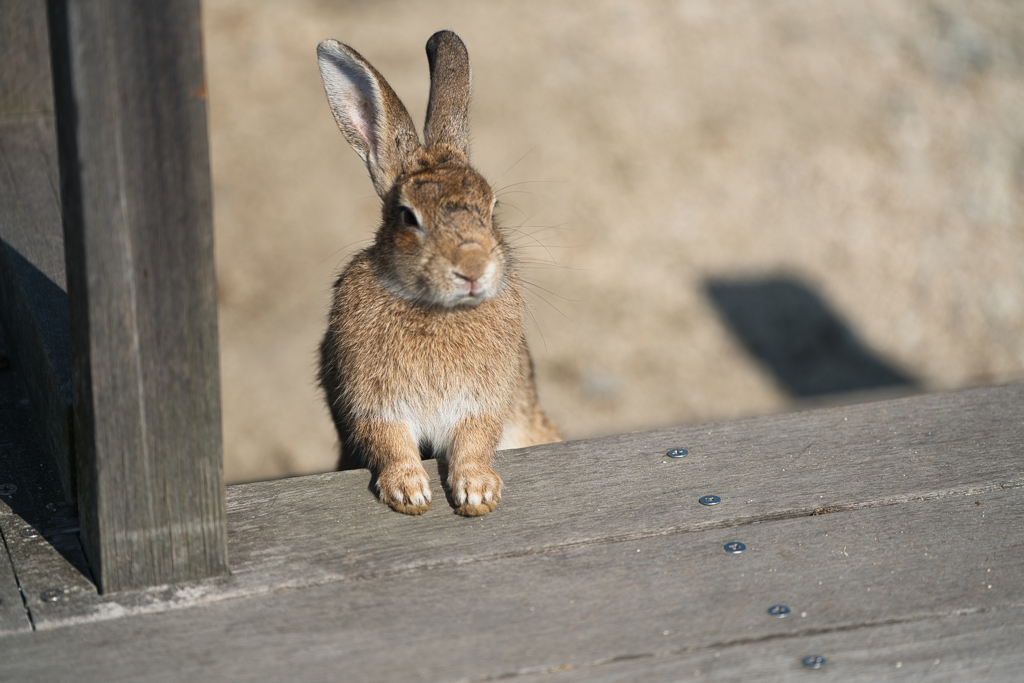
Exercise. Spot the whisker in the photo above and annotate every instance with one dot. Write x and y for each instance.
(343, 249)
(524, 247)
(530, 265)
(502, 205)
(545, 228)
(558, 310)
(536, 325)
(500, 190)
(534, 285)
(528, 152)
(532, 194)
(539, 243)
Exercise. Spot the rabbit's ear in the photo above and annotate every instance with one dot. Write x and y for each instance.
(448, 108)
(369, 114)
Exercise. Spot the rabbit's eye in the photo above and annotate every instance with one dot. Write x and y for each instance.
(409, 219)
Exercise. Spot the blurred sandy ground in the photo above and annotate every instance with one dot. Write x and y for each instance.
(872, 151)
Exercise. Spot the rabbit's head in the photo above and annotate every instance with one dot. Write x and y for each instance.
(438, 243)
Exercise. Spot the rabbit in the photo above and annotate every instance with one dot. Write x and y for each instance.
(425, 347)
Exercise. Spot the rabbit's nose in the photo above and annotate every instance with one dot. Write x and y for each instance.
(472, 262)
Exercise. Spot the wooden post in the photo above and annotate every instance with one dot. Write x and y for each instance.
(130, 105)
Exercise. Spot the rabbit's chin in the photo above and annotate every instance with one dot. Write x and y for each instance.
(458, 299)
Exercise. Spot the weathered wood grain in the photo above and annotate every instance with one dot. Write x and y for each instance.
(25, 87)
(13, 615)
(135, 185)
(31, 498)
(973, 647)
(647, 607)
(33, 299)
(623, 487)
(328, 528)
(30, 177)
(53, 561)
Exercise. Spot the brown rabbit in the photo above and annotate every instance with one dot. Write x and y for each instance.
(425, 345)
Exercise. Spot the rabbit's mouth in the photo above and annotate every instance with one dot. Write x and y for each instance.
(466, 299)
(473, 285)
(469, 300)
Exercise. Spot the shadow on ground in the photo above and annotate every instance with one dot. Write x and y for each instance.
(794, 333)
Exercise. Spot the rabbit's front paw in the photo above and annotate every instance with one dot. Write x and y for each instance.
(475, 491)
(405, 488)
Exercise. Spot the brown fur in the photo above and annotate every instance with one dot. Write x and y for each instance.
(425, 344)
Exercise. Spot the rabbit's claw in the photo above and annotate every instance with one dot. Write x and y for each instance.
(475, 492)
(405, 489)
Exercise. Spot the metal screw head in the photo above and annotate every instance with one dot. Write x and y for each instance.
(735, 547)
(813, 661)
(778, 611)
(29, 532)
(677, 452)
(710, 500)
(7, 489)
(52, 595)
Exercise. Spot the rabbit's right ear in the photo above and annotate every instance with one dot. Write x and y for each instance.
(450, 79)
(369, 114)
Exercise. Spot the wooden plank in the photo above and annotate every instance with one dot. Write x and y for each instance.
(33, 298)
(24, 59)
(50, 558)
(30, 497)
(13, 614)
(135, 184)
(927, 574)
(327, 528)
(50, 561)
(971, 647)
(32, 222)
(623, 487)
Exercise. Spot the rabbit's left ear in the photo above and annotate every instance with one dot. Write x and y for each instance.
(450, 78)
(368, 112)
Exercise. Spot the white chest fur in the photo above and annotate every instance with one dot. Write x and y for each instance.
(434, 425)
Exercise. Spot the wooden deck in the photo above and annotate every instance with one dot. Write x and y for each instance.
(891, 530)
